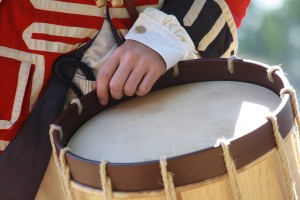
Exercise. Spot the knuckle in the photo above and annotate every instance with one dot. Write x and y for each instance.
(103, 75)
(113, 87)
(133, 55)
(118, 51)
(136, 55)
(115, 90)
(143, 90)
(157, 70)
(129, 90)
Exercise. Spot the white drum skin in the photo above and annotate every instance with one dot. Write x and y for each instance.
(174, 121)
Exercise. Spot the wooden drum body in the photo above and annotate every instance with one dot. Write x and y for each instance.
(167, 145)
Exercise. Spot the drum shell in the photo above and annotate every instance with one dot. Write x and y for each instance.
(266, 163)
(260, 180)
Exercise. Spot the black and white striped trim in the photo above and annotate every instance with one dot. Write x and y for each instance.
(209, 23)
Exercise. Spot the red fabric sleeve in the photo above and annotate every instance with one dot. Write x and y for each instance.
(238, 9)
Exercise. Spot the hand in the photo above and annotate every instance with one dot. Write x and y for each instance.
(133, 68)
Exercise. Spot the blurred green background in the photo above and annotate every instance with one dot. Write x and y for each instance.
(270, 33)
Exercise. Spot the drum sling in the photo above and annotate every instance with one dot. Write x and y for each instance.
(25, 160)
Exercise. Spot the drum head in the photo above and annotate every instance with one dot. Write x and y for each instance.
(181, 119)
(174, 121)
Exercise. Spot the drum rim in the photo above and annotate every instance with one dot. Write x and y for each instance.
(85, 171)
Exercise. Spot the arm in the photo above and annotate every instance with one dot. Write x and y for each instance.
(210, 26)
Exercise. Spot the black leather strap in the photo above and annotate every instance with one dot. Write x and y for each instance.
(25, 160)
(133, 14)
(114, 31)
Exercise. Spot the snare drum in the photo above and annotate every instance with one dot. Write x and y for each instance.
(219, 130)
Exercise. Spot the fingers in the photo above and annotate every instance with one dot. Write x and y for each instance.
(119, 79)
(103, 79)
(133, 81)
(141, 80)
(147, 83)
(132, 69)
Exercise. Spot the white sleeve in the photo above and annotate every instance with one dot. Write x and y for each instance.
(164, 34)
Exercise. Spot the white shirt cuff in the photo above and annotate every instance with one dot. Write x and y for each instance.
(165, 35)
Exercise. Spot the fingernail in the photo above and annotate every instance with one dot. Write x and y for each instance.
(103, 102)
